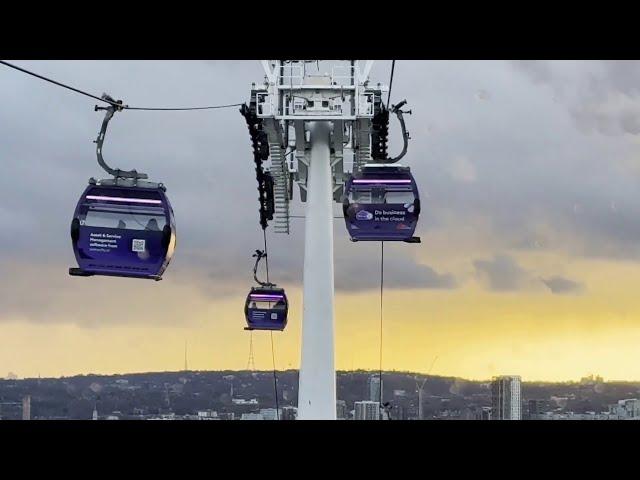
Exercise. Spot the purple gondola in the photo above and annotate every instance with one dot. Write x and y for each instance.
(123, 231)
(266, 308)
(122, 227)
(382, 203)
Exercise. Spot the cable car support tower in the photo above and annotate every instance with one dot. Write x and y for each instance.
(316, 115)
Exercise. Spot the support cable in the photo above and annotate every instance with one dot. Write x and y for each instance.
(393, 66)
(112, 102)
(381, 317)
(275, 377)
(273, 354)
(382, 407)
(266, 256)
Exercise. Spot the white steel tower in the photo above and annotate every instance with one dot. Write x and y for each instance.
(315, 114)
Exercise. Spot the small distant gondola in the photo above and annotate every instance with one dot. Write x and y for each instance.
(266, 306)
(382, 203)
(266, 309)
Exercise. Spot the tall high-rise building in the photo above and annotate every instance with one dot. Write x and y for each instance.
(26, 407)
(373, 386)
(367, 410)
(505, 398)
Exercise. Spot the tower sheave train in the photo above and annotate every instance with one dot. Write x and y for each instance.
(326, 126)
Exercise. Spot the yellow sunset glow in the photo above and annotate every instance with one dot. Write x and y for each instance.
(475, 333)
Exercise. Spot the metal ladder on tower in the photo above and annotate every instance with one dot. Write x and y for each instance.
(363, 152)
(280, 174)
(363, 156)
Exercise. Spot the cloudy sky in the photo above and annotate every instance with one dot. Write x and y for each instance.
(529, 173)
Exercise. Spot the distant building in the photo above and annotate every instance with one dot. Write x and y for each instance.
(289, 413)
(576, 416)
(270, 413)
(373, 386)
(367, 410)
(207, 414)
(227, 416)
(591, 380)
(242, 401)
(505, 398)
(535, 408)
(122, 383)
(399, 393)
(251, 416)
(341, 410)
(26, 407)
(483, 413)
(94, 416)
(164, 416)
(625, 409)
(398, 413)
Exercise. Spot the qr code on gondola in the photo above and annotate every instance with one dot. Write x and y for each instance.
(138, 245)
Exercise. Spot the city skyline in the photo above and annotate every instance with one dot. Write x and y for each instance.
(207, 396)
(529, 173)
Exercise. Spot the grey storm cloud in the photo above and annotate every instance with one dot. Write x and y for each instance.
(562, 286)
(532, 164)
(519, 160)
(502, 273)
(400, 271)
(600, 96)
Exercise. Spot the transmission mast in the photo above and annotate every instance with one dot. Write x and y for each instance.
(250, 363)
(316, 115)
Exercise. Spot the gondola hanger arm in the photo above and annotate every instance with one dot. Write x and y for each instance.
(259, 255)
(115, 106)
(405, 135)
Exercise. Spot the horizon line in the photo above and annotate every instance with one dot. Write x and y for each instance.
(372, 371)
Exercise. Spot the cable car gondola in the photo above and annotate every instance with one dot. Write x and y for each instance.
(124, 226)
(125, 231)
(266, 306)
(382, 203)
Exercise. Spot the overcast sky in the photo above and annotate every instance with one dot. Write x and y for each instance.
(529, 174)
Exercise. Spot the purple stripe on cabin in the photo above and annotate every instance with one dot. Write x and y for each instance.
(277, 297)
(123, 199)
(380, 181)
